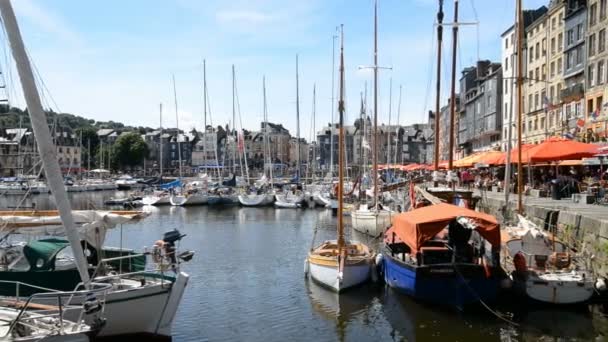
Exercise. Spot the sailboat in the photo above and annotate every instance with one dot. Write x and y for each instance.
(373, 222)
(340, 264)
(261, 195)
(159, 197)
(136, 303)
(292, 196)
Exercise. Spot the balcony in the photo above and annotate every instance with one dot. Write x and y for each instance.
(573, 93)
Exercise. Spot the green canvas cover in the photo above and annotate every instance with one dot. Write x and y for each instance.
(133, 264)
(41, 254)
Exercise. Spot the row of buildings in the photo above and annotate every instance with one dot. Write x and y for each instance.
(565, 90)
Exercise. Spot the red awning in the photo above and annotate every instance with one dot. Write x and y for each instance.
(556, 148)
(416, 227)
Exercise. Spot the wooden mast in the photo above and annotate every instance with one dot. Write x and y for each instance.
(179, 146)
(438, 84)
(297, 120)
(453, 90)
(341, 146)
(375, 168)
(520, 81)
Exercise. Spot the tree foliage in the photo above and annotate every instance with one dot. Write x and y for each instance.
(129, 150)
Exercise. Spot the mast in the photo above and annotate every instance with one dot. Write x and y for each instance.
(160, 148)
(390, 112)
(297, 119)
(204, 95)
(234, 125)
(398, 121)
(341, 147)
(520, 82)
(333, 109)
(314, 130)
(266, 142)
(46, 148)
(88, 157)
(453, 90)
(179, 146)
(375, 172)
(438, 84)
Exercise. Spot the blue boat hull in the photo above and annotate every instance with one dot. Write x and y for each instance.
(441, 284)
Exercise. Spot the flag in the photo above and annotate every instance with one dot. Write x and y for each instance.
(580, 123)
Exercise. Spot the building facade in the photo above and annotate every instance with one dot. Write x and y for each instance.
(573, 93)
(535, 85)
(555, 77)
(480, 117)
(596, 94)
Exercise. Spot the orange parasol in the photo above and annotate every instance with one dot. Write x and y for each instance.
(556, 148)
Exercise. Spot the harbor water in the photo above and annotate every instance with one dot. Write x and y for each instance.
(247, 284)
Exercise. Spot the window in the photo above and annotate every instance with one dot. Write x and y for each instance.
(531, 53)
(544, 47)
(600, 72)
(593, 14)
(560, 42)
(551, 94)
(590, 78)
(579, 55)
(543, 96)
(536, 124)
(561, 19)
(551, 119)
(507, 43)
(553, 22)
(544, 72)
(580, 32)
(531, 78)
(552, 69)
(542, 123)
(553, 46)
(602, 10)
(506, 63)
(536, 74)
(601, 41)
(537, 52)
(536, 102)
(506, 87)
(559, 89)
(592, 45)
(506, 111)
(512, 39)
(570, 36)
(530, 103)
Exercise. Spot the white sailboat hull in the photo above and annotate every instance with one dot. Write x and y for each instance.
(559, 289)
(149, 309)
(371, 222)
(328, 276)
(156, 200)
(256, 200)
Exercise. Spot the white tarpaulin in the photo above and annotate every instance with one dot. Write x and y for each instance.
(91, 224)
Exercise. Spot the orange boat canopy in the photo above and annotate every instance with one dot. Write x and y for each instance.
(416, 227)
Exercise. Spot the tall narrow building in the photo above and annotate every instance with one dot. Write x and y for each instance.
(596, 94)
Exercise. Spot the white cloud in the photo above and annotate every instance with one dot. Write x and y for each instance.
(46, 20)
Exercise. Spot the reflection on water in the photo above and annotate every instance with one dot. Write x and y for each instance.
(247, 284)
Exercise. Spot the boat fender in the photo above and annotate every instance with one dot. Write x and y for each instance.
(519, 261)
(600, 284)
(306, 267)
(157, 251)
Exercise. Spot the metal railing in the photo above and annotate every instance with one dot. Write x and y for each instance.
(54, 305)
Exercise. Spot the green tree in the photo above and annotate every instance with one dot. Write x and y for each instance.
(129, 150)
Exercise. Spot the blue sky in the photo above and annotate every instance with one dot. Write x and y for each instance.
(113, 59)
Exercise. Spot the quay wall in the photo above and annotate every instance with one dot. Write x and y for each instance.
(582, 227)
